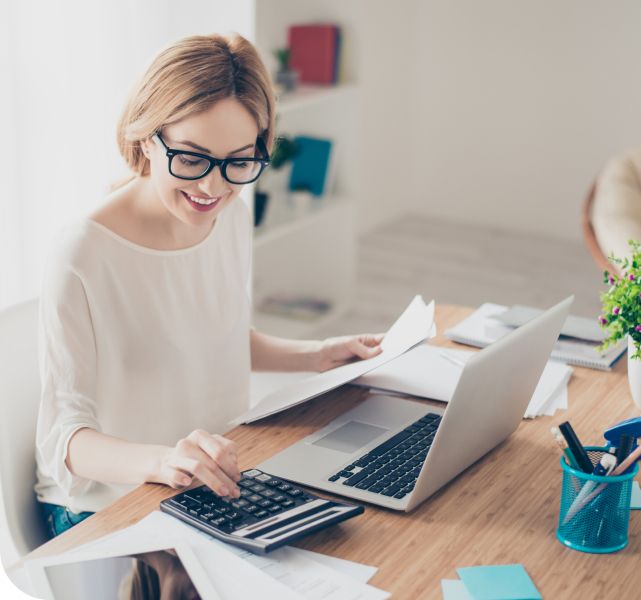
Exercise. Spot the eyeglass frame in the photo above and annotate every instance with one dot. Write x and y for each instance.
(214, 162)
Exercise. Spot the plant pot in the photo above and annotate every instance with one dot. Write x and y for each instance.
(634, 374)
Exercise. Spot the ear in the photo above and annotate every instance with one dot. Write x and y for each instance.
(145, 146)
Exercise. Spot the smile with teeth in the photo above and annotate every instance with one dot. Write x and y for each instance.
(203, 201)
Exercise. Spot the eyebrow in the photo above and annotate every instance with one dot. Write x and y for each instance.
(205, 151)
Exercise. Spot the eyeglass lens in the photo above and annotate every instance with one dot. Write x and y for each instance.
(192, 167)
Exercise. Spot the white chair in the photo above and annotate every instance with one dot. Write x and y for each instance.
(21, 528)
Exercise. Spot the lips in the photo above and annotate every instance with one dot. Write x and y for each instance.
(200, 207)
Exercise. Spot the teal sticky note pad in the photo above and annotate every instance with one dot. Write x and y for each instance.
(635, 500)
(454, 589)
(499, 582)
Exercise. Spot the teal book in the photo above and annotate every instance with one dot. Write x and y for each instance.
(310, 165)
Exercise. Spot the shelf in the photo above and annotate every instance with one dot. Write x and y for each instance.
(306, 95)
(283, 222)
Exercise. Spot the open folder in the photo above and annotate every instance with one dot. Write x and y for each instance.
(415, 325)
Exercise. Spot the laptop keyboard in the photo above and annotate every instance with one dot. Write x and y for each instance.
(392, 468)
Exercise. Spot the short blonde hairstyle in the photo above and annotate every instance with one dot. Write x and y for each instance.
(189, 77)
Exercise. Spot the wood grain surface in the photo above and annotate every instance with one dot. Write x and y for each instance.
(501, 510)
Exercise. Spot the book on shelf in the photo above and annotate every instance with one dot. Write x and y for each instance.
(311, 165)
(314, 52)
(486, 325)
(295, 307)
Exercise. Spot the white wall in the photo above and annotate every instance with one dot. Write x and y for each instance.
(519, 104)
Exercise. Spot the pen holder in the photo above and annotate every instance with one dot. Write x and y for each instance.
(598, 521)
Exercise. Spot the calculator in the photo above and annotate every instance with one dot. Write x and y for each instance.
(270, 512)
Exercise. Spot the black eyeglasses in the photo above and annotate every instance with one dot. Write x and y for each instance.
(193, 165)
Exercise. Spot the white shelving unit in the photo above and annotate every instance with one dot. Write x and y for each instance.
(308, 250)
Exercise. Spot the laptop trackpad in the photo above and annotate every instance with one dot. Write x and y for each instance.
(350, 437)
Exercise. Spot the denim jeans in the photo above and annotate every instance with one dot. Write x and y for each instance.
(59, 518)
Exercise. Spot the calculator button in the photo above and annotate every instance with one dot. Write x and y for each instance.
(245, 483)
(287, 503)
(254, 498)
(219, 521)
(264, 478)
(274, 508)
(274, 482)
(279, 498)
(252, 508)
(284, 487)
(260, 514)
(295, 492)
(257, 488)
(265, 503)
(252, 473)
(268, 493)
(239, 503)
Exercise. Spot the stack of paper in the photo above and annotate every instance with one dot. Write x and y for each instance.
(499, 582)
(236, 574)
(485, 325)
(432, 372)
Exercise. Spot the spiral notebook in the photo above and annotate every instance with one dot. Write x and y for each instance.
(483, 327)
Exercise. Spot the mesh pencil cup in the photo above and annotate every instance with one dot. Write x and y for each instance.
(598, 520)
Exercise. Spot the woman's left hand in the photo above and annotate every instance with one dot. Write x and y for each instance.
(338, 351)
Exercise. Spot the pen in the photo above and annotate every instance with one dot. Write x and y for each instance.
(560, 440)
(579, 453)
(605, 467)
(624, 448)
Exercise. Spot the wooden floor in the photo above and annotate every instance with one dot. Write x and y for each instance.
(455, 263)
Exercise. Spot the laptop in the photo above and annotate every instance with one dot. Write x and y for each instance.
(396, 452)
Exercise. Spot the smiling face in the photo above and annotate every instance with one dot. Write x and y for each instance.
(225, 130)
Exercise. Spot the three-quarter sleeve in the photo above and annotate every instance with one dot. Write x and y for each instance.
(67, 363)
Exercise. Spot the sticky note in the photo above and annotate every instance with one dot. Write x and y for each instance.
(499, 582)
(635, 500)
(454, 589)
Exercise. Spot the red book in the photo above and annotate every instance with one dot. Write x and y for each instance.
(314, 52)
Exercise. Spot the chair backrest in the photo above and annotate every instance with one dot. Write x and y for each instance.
(590, 237)
(22, 529)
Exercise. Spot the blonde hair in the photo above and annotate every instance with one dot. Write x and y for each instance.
(187, 78)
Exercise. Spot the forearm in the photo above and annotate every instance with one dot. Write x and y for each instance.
(269, 353)
(108, 459)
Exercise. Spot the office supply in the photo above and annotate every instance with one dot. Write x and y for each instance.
(579, 453)
(604, 467)
(560, 440)
(311, 165)
(429, 372)
(499, 582)
(454, 589)
(599, 523)
(74, 576)
(482, 328)
(629, 427)
(463, 518)
(635, 497)
(574, 327)
(396, 453)
(270, 513)
(624, 448)
(314, 52)
(412, 327)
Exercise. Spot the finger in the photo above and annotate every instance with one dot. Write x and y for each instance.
(215, 469)
(220, 451)
(361, 350)
(372, 339)
(212, 477)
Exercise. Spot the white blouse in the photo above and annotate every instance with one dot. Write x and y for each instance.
(146, 345)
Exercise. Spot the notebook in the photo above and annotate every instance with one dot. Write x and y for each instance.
(483, 327)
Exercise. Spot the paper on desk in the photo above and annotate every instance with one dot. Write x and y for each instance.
(358, 571)
(412, 327)
(432, 372)
(284, 573)
(499, 582)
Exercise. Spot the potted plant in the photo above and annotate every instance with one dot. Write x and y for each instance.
(621, 313)
(286, 77)
(285, 149)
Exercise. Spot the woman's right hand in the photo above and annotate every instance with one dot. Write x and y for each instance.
(211, 458)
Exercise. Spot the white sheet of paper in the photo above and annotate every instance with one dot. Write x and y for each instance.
(432, 372)
(284, 573)
(358, 571)
(412, 327)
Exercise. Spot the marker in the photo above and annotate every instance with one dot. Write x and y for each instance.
(560, 440)
(579, 453)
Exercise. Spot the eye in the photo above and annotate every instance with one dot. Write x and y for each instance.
(239, 165)
(190, 162)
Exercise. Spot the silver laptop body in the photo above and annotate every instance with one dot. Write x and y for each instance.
(488, 404)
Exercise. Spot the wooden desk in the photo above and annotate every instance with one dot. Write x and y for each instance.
(501, 510)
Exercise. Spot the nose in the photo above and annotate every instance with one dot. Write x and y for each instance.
(213, 184)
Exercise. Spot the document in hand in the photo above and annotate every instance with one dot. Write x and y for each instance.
(414, 326)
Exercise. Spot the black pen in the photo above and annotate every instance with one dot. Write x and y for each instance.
(624, 448)
(578, 451)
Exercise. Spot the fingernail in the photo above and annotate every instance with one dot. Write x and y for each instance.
(186, 480)
(224, 491)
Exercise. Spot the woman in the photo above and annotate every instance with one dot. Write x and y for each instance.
(145, 339)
